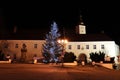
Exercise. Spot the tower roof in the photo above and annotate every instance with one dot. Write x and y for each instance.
(88, 37)
(81, 20)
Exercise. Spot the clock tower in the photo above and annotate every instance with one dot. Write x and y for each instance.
(81, 28)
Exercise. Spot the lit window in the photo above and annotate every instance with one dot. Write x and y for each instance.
(35, 45)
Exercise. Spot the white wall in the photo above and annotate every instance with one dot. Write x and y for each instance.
(30, 48)
(111, 49)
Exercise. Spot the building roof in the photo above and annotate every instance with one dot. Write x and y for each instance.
(88, 37)
(70, 37)
(23, 36)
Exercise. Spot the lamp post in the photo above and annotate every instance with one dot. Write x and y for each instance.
(63, 42)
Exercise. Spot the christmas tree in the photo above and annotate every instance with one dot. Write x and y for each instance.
(51, 48)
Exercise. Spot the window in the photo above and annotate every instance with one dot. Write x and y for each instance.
(94, 46)
(6, 46)
(78, 46)
(69, 46)
(102, 47)
(16, 45)
(87, 46)
(35, 45)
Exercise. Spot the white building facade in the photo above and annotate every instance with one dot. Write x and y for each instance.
(13, 47)
(80, 44)
(34, 47)
(85, 48)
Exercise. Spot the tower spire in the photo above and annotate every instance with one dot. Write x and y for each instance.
(81, 28)
(81, 20)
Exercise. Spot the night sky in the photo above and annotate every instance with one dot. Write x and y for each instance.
(97, 17)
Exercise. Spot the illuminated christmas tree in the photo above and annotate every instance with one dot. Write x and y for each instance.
(51, 48)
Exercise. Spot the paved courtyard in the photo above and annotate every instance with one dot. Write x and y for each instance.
(55, 72)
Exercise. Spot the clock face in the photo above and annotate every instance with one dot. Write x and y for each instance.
(82, 29)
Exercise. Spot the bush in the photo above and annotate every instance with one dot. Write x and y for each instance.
(97, 57)
(69, 57)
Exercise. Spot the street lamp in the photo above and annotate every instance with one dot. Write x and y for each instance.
(63, 42)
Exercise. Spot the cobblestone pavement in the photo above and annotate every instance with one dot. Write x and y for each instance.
(56, 72)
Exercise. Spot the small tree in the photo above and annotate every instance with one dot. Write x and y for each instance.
(69, 57)
(97, 57)
(51, 48)
(101, 56)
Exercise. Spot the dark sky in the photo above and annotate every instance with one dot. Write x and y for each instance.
(97, 16)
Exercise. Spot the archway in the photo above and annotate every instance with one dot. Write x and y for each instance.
(82, 57)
